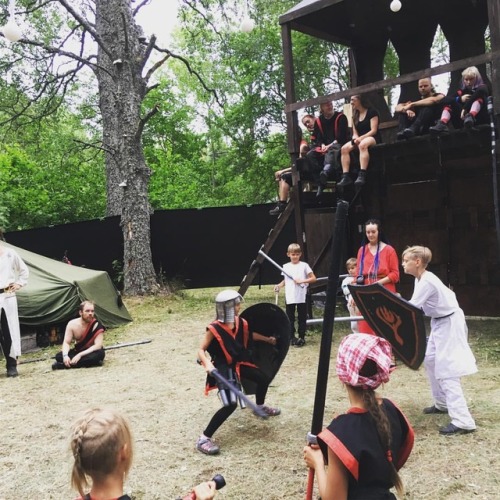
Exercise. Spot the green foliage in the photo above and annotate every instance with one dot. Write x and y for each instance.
(48, 173)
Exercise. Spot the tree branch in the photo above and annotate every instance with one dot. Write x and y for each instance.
(147, 52)
(155, 67)
(146, 118)
(140, 6)
(191, 71)
(87, 26)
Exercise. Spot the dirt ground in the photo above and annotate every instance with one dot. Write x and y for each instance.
(159, 387)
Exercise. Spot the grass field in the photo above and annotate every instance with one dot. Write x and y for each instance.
(159, 386)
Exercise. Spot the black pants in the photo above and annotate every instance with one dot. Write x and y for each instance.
(95, 358)
(426, 116)
(5, 338)
(301, 318)
(246, 372)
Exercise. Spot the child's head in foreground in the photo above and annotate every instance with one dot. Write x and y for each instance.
(101, 443)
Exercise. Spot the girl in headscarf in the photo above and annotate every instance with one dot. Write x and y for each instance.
(365, 447)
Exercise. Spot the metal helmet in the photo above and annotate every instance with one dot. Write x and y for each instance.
(224, 305)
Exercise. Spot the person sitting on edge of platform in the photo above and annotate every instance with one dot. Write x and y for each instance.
(365, 134)
(330, 134)
(467, 107)
(88, 333)
(284, 176)
(415, 117)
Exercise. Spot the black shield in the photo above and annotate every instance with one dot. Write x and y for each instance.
(271, 321)
(395, 319)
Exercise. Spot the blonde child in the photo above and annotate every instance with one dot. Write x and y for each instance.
(448, 355)
(349, 280)
(296, 280)
(468, 106)
(101, 443)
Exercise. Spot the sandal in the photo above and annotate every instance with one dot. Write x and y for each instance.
(207, 446)
(270, 411)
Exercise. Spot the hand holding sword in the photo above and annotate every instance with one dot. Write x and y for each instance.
(277, 266)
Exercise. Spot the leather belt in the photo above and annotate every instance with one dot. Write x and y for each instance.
(447, 316)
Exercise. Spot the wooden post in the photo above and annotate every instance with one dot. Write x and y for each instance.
(292, 134)
(494, 22)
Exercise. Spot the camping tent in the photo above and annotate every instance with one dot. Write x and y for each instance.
(55, 290)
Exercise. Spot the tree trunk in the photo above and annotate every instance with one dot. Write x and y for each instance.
(121, 91)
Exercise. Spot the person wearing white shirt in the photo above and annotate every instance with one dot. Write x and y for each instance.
(13, 276)
(448, 355)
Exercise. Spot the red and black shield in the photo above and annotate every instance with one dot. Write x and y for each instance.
(395, 319)
(271, 321)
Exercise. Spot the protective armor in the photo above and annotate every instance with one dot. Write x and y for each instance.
(224, 305)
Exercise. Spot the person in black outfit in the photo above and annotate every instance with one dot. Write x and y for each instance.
(365, 134)
(330, 133)
(415, 117)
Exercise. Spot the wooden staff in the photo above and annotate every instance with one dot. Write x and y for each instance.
(327, 333)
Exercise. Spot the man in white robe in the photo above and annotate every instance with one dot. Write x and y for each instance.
(13, 276)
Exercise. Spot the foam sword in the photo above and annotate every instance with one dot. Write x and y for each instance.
(277, 266)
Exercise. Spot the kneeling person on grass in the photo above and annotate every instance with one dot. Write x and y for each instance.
(88, 334)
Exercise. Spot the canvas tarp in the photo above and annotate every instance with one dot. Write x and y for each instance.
(55, 289)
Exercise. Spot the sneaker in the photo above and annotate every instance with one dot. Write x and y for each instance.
(345, 181)
(12, 371)
(300, 342)
(439, 128)
(400, 136)
(207, 446)
(451, 430)
(469, 121)
(58, 366)
(432, 410)
(293, 340)
(270, 411)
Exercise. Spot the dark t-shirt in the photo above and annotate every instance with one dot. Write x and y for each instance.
(364, 126)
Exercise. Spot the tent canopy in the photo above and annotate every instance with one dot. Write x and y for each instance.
(55, 290)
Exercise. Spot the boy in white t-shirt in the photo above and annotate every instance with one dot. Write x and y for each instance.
(349, 280)
(297, 276)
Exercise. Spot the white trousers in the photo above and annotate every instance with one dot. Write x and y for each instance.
(448, 395)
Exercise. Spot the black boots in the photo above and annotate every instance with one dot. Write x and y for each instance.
(439, 128)
(361, 180)
(345, 181)
(11, 367)
(279, 208)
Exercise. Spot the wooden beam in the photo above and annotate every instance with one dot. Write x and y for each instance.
(494, 21)
(391, 82)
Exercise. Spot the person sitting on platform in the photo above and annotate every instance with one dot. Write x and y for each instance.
(284, 176)
(467, 107)
(415, 117)
(365, 134)
(330, 133)
(88, 333)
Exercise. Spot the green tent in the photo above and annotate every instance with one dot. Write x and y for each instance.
(55, 290)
